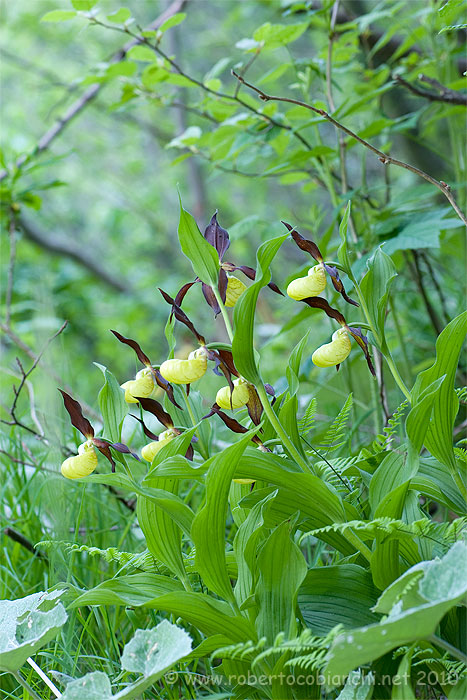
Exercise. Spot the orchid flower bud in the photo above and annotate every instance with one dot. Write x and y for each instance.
(335, 352)
(240, 395)
(186, 371)
(142, 385)
(81, 464)
(234, 291)
(149, 451)
(310, 286)
(244, 481)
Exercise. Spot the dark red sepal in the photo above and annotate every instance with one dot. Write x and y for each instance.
(181, 316)
(362, 340)
(76, 415)
(304, 243)
(217, 236)
(154, 407)
(142, 357)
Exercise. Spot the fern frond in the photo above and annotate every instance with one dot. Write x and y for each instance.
(143, 561)
(444, 534)
(306, 423)
(384, 440)
(334, 436)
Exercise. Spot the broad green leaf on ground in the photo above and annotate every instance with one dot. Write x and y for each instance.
(414, 614)
(151, 652)
(332, 595)
(244, 312)
(113, 406)
(26, 625)
(208, 529)
(358, 686)
(202, 255)
(282, 568)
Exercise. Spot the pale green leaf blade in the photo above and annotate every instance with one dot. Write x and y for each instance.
(202, 255)
(208, 529)
(244, 313)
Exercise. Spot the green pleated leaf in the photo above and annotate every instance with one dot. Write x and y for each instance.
(282, 568)
(250, 533)
(375, 287)
(202, 255)
(293, 368)
(333, 595)
(112, 404)
(438, 439)
(208, 529)
(161, 526)
(288, 418)
(135, 589)
(342, 253)
(209, 615)
(244, 313)
(418, 420)
(26, 625)
(415, 613)
(388, 490)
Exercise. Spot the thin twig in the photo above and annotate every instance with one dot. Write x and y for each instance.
(24, 542)
(11, 268)
(383, 157)
(17, 391)
(92, 91)
(453, 97)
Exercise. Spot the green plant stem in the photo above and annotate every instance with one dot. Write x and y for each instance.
(274, 420)
(456, 653)
(204, 452)
(279, 428)
(358, 544)
(384, 350)
(25, 685)
(225, 315)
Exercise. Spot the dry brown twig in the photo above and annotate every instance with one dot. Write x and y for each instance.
(383, 157)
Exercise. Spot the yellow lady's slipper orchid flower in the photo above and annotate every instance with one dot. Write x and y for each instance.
(335, 352)
(244, 481)
(142, 385)
(309, 286)
(149, 451)
(240, 395)
(234, 291)
(81, 464)
(185, 371)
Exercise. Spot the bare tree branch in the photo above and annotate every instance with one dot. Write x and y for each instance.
(92, 90)
(383, 157)
(75, 252)
(444, 94)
